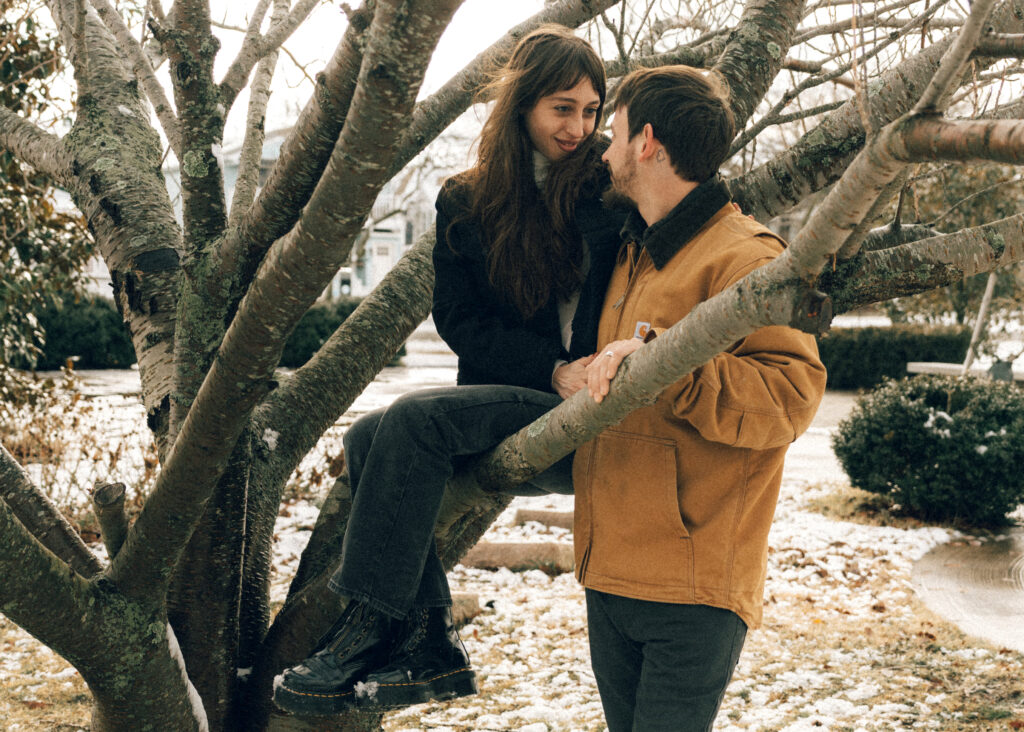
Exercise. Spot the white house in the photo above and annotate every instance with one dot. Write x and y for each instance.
(402, 212)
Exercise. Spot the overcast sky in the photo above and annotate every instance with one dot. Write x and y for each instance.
(476, 25)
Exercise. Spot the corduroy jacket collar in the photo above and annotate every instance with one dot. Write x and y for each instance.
(664, 238)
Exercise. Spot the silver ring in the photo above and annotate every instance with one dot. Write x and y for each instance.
(608, 353)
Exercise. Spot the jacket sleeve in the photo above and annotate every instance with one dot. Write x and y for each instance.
(761, 393)
(469, 316)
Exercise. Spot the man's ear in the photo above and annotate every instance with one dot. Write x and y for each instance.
(649, 145)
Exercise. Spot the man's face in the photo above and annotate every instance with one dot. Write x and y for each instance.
(620, 156)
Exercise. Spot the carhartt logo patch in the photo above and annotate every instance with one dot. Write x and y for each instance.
(641, 329)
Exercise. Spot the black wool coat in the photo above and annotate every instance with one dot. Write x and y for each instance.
(494, 343)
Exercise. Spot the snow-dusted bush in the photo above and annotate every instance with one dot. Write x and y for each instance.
(942, 448)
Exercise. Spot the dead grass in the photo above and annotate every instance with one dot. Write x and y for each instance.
(39, 692)
(904, 657)
(920, 661)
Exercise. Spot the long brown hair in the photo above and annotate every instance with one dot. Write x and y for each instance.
(533, 250)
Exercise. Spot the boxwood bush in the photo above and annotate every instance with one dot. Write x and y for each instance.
(942, 448)
(88, 329)
(861, 358)
(316, 327)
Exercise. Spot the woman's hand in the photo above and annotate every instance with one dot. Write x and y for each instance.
(570, 377)
(602, 369)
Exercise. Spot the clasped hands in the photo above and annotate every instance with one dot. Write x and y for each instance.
(595, 372)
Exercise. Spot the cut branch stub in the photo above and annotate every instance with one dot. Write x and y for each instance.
(108, 502)
(813, 313)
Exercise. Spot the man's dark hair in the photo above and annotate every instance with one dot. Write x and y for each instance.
(689, 112)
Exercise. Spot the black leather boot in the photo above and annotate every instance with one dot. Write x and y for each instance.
(428, 664)
(360, 641)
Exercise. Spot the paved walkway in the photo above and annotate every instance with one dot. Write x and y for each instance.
(976, 585)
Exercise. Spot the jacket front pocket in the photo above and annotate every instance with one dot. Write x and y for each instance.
(638, 535)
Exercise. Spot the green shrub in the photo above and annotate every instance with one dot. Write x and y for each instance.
(942, 448)
(316, 327)
(88, 329)
(861, 358)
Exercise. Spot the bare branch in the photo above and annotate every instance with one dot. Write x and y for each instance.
(766, 25)
(951, 69)
(924, 265)
(819, 157)
(853, 242)
(402, 38)
(931, 138)
(143, 71)
(40, 149)
(1006, 45)
(252, 145)
(435, 113)
(873, 19)
(696, 55)
(812, 67)
(256, 47)
(859, 106)
(340, 371)
(37, 513)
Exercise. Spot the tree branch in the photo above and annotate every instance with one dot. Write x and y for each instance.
(954, 62)
(433, 115)
(820, 156)
(401, 39)
(766, 25)
(319, 392)
(143, 72)
(191, 48)
(40, 149)
(255, 47)
(300, 164)
(1007, 45)
(932, 138)
(923, 265)
(42, 518)
(39, 593)
(853, 242)
(255, 133)
(754, 130)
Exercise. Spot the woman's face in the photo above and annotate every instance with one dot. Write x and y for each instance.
(559, 122)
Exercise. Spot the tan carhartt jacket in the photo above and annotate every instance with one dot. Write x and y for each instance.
(675, 503)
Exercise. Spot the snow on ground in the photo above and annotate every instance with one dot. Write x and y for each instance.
(529, 645)
(845, 643)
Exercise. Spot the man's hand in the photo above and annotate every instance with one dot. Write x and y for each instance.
(602, 369)
(570, 377)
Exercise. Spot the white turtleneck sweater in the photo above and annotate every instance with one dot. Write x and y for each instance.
(566, 307)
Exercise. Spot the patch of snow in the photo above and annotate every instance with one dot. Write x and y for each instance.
(368, 690)
(198, 710)
(270, 438)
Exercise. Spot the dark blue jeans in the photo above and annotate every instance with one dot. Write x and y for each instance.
(661, 667)
(399, 459)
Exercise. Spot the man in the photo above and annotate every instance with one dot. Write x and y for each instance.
(674, 505)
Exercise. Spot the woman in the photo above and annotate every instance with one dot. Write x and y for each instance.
(524, 251)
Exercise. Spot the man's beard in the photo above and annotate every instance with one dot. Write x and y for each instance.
(616, 200)
(616, 196)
